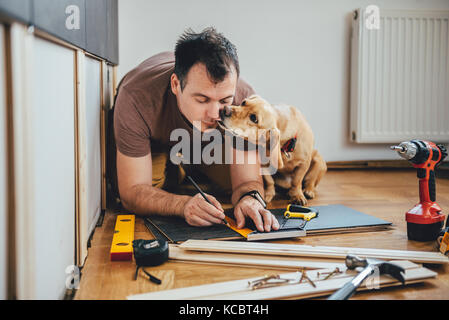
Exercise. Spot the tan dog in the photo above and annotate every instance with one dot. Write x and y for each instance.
(299, 164)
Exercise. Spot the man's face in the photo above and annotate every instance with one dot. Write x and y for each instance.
(202, 99)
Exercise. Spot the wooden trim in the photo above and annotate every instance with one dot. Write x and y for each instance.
(78, 242)
(238, 289)
(77, 185)
(90, 55)
(11, 255)
(46, 36)
(251, 260)
(81, 164)
(114, 83)
(104, 103)
(369, 164)
(311, 251)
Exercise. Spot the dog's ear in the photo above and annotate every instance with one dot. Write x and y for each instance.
(273, 138)
(254, 96)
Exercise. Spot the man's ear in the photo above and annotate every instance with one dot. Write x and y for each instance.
(175, 84)
(274, 146)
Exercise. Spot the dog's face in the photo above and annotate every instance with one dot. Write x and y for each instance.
(254, 120)
(253, 115)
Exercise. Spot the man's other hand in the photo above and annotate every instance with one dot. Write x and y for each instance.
(263, 219)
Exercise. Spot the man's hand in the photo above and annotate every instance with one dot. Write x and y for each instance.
(198, 212)
(263, 219)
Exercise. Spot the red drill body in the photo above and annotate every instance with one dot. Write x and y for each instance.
(424, 220)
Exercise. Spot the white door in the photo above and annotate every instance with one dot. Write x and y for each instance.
(53, 140)
(93, 107)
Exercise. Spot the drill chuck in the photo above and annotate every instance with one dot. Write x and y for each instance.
(406, 150)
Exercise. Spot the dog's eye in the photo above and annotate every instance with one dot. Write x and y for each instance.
(243, 103)
(253, 117)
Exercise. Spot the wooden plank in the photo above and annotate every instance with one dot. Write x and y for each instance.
(239, 289)
(346, 230)
(253, 260)
(364, 164)
(323, 288)
(311, 251)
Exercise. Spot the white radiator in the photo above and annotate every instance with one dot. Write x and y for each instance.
(400, 77)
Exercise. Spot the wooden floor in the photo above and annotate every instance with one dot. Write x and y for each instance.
(386, 194)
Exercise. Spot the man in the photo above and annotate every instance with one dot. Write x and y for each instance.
(186, 90)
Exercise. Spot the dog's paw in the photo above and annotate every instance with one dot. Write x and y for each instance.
(310, 194)
(269, 195)
(297, 197)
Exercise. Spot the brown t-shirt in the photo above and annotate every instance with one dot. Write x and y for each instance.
(146, 110)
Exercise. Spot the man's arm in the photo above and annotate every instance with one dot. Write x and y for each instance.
(136, 190)
(244, 178)
(247, 177)
(139, 196)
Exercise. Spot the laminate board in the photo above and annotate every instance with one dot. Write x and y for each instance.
(331, 219)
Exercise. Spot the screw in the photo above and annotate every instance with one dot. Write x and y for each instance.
(329, 274)
(304, 276)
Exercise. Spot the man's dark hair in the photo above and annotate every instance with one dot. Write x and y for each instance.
(209, 47)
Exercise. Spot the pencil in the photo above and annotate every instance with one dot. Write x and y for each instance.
(204, 196)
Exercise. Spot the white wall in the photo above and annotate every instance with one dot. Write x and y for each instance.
(291, 51)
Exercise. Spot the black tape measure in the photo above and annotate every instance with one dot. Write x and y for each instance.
(150, 253)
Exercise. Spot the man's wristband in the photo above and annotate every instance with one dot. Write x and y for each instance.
(256, 195)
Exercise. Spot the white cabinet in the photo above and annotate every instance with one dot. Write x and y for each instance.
(89, 149)
(56, 137)
(93, 108)
(52, 112)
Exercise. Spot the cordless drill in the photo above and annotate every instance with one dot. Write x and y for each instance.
(424, 220)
